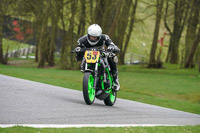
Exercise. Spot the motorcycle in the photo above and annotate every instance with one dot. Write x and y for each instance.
(98, 80)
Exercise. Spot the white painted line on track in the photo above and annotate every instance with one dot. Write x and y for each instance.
(80, 125)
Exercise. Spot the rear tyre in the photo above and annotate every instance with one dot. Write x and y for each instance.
(110, 100)
(88, 90)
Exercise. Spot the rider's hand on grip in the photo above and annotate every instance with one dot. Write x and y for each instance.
(111, 48)
(77, 49)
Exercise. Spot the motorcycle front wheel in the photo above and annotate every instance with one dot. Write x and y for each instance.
(88, 90)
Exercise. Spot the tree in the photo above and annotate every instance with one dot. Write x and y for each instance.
(46, 12)
(117, 20)
(54, 18)
(189, 63)
(132, 21)
(1, 33)
(3, 9)
(152, 60)
(43, 40)
(191, 26)
(67, 60)
(105, 14)
(125, 37)
(99, 11)
(91, 10)
(180, 15)
(199, 65)
(82, 19)
(121, 27)
(37, 8)
(118, 25)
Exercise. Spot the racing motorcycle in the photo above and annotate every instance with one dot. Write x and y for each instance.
(98, 80)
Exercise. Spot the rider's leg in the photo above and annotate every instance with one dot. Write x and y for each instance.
(83, 65)
(79, 57)
(116, 80)
(114, 70)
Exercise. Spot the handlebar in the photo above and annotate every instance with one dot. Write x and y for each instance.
(97, 48)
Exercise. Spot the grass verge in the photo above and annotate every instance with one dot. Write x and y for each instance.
(159, 129)
(173, 88)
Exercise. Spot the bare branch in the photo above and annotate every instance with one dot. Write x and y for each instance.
(165, 18)
(143, 19)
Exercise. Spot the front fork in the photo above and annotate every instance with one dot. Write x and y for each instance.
(95, 75)
(107, 80)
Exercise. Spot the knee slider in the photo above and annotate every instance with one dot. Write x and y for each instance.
(115, 59)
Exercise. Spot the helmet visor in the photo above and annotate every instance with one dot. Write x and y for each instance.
(93, 38)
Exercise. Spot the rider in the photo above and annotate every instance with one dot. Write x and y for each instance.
(94, 38)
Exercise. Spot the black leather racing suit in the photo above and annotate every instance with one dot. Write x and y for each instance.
(104, 40)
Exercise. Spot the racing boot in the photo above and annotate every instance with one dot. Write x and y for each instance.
(83, 65)
(116, 81)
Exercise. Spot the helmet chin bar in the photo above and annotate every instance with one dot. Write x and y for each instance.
(93, 42)
(93, 38)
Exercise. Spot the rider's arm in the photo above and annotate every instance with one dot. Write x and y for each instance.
(110, 44)
(79, 49)
(80, 45)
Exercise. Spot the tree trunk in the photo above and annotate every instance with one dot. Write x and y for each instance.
(63, 33)
(82, 21)
(129, 31)
(54, 16)
(91, 12)
(37, 25)
(52, 42)
(112, 12)
(113, 18)
(180, 15)
(43, 39)
(197, 55)
(99, 11)
(1, 33)
(174, 43)
(191, 27)
(67, 60)
(189, 63)
(120, 30)
(36, 52)
(152, 60)
(199, 65)
(4, 6)
(106, 12)
(42, 45)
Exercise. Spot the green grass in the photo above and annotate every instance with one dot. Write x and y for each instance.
(172, 87)
(160, 129)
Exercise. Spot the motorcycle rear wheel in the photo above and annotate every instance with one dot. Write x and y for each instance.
(88, 90)
(110, 100)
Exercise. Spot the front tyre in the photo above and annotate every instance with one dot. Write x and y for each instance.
(110, 100)
(88, 90)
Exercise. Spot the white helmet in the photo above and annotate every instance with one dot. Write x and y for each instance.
(94, 34)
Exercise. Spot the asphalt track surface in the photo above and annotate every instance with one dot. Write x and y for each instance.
(27, 102)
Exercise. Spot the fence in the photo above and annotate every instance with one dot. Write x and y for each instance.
(21, 52)
(133, 58)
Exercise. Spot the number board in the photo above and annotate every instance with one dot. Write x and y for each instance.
(91, 56)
